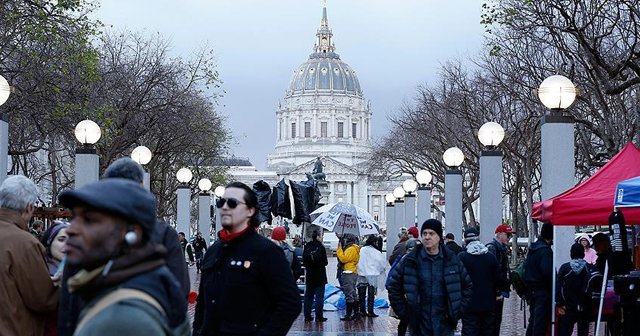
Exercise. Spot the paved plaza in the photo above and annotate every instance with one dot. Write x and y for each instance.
(513, 320)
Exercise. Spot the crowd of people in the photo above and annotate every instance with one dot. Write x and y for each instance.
(115, 269)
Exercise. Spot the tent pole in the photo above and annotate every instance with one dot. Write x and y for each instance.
(553, 288)
(602, 293)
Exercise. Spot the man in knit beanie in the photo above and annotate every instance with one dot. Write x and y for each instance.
(430, 287)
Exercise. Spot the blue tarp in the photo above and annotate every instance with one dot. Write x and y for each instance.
(334, 299)
(628, 193)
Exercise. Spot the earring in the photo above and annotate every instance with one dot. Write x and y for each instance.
(131, 237)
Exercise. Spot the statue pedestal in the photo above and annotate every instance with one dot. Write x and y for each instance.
(323, 186)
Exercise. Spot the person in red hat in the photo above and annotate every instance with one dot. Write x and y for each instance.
(498, 247)
(279, 236)
(413, 231)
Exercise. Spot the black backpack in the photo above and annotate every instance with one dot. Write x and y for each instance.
(313, 256)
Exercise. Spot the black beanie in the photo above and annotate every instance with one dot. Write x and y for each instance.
(577, 251)
(434, 225)
(547, 231)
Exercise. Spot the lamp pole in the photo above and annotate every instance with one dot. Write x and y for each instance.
(453, 158)
(87, 167)
(424, 196)
(557, 157)
(398, 218)
(490, 135)
(183, 216)
(218, 192)
(204, 208)
(142, 155)
(5, 92)
(389, 213)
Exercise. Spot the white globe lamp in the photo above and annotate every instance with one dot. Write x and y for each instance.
(87, 132)
(557, 92)
(219, 191)
(141, 155)
(398, 193)
(409, 186)
(453, 157)
(491, 134)
(184, 175)
(204, 184)
(389, 198)
(5, 90)
(423, 177)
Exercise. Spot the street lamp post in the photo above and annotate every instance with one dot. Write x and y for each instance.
(409, 186)
(183, 216)
(557, 157)
(204, 208)
(398, 218)
(490, 135)
(142, 155)
(88, 133)
(424, 196)
(218, 192)
(5, 92)
(453, 158)
(389, 219)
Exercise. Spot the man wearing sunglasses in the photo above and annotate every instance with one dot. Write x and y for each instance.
(498, 247)
(246, 287)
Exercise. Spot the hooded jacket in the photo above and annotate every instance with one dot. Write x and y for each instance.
(349, 257)
(571, 285)
(483, 269)
(142, 269)
(26, 290)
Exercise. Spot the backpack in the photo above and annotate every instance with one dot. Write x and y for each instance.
(313, 257)
(517, 280)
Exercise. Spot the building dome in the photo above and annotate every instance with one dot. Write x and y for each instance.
(324, 74)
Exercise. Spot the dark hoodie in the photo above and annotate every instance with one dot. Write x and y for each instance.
(571, 285)
(538, 271)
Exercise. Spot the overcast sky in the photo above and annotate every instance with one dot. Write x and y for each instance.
(393, 45)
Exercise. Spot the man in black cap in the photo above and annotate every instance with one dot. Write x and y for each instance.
(483, 269)
(430, 288)
(124, 282)
(538, 276)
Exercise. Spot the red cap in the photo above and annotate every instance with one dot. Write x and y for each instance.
(413, 231)
(279, 233)
(504, 228)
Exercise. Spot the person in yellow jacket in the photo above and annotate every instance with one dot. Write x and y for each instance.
(349, 255)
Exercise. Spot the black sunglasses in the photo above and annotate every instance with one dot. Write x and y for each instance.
(232, 202)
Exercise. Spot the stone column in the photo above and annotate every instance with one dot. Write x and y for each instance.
(204, 215)
(392, 230)
(4, 146)
(183, 215)
(453, 202)
(558, 173)
(409, 210)
(424, 204)
(87, 166)
(490, 193)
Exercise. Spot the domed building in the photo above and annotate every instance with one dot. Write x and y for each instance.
(324, 115)
(324, 112)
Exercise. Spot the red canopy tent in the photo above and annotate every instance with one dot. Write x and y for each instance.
(591, 202)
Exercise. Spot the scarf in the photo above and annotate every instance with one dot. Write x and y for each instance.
(115, 271)
(227, 236)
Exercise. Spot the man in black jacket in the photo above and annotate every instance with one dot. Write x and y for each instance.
(498, 247)
(246, 286)
(315, 261)
(574, 305)
(430, 288)
(538, 276)
(483, 270)
(451, 243)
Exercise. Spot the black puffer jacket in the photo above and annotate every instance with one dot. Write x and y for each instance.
(404, 288)
(246, 289)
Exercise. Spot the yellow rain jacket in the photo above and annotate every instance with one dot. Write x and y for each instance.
(349, 257)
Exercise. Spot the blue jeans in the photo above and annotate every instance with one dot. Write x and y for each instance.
(539, 313)
(309, 294)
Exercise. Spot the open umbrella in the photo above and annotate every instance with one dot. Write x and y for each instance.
(343, 217)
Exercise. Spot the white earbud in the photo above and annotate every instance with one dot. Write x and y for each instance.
(131, 238)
